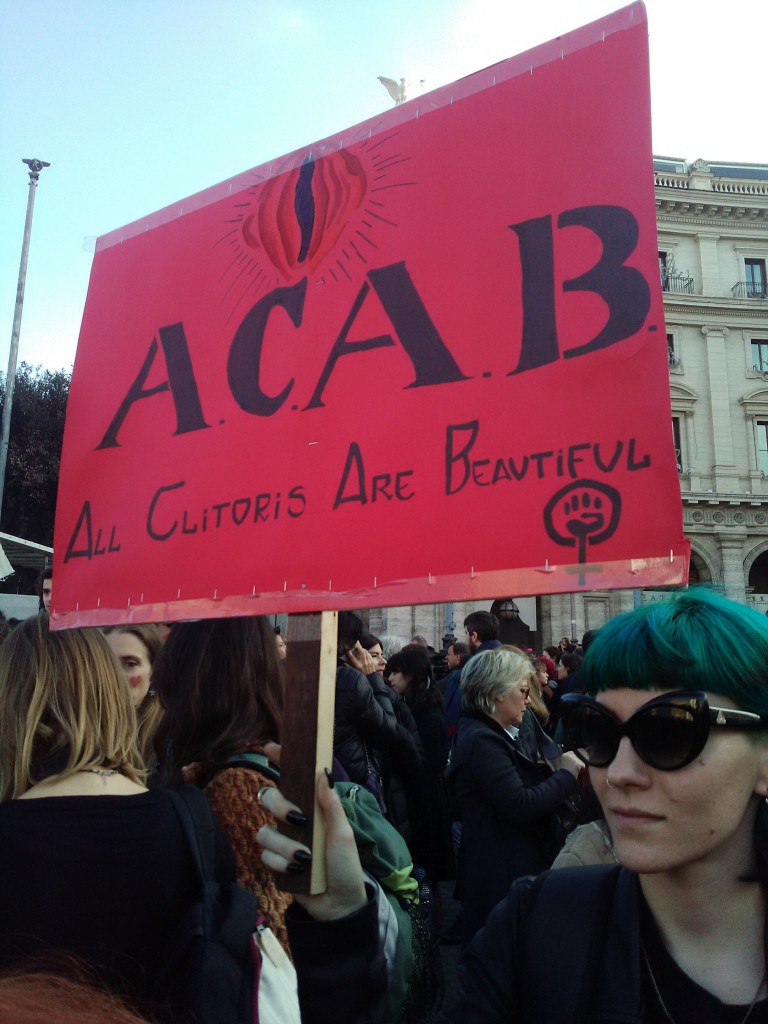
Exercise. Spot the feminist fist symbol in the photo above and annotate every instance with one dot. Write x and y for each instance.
(581, 513)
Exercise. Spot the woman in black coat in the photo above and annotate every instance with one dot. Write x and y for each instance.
(366, 728)
(507, 801)
(409, 673)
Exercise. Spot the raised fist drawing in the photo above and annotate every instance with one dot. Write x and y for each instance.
(581, 513)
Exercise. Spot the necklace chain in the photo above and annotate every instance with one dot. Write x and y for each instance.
(103, 773)
(663, 1005)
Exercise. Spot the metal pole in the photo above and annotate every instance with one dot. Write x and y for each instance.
(35, 166)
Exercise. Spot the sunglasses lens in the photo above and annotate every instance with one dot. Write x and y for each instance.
(592, 733)
(668, 736)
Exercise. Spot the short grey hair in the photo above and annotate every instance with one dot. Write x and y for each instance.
(492, 674)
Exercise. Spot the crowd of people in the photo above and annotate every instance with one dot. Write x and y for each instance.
(634, 765)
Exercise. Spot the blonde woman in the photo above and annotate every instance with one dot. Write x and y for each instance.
(136, 648)
(93, 865)
(507, 801)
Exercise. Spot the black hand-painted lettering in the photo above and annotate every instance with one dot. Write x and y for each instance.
(623, 288)
(539, 344)
(244, 360)
(181, 383)
(152, 530)
(431, 360)
(461, 456)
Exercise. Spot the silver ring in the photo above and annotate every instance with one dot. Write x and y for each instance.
(260, 797)
(610, 784)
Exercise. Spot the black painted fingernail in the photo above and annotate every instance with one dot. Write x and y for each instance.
(296, 869)
(296, 818)
(328, 776)
(302, 856)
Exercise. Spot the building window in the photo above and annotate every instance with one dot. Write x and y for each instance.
(671, 278)
(759, 348)
(672, 352)
(754, 271)
(761, 429)
(679, 445)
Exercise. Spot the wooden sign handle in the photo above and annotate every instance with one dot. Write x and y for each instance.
(307, 734)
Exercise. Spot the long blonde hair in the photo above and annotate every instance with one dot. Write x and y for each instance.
(150, 711)
(63, 707)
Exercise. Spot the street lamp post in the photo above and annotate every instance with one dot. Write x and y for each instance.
(35, 166)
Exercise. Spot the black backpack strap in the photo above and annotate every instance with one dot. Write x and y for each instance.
(566, 933)
(198, 825)
(217, 930)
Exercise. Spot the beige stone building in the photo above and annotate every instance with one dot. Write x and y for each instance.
(713, 259)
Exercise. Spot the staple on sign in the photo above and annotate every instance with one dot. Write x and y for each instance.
(129, 603)
(98, 602)
(215, 595)
(472, 572)
(375, 584)
(253, 592)
(285, 585)
(671, 556)
(178, 594)
(141, 599)
(77, 607)
(329, 585)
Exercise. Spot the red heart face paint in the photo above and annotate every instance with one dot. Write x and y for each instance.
(134, 661)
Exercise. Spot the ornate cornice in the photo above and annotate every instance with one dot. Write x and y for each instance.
(711, 518)
(720, 305)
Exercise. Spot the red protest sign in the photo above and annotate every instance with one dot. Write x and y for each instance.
(422, 360)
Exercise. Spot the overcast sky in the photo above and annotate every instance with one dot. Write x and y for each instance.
(139, 103)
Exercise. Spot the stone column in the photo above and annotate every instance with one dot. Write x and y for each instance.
(710, 268)
(732, 555)
(724, 466)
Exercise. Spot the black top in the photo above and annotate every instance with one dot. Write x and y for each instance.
(103, 878)
(685, 1001)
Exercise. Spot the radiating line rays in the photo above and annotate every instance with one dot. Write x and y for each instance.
(249, 272)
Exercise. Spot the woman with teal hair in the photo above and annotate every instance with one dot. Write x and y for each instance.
(674, 730)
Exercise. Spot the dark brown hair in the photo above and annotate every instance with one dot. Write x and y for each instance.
(220, 684)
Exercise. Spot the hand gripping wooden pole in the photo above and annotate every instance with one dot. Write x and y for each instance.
(307, 734)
